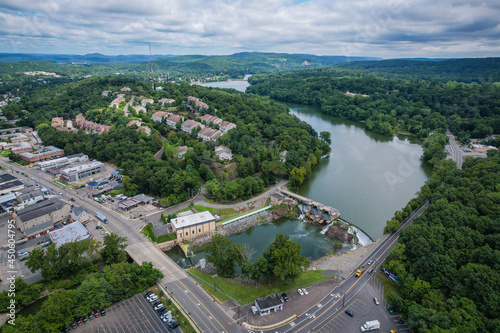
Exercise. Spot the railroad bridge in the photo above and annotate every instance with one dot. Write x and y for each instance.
(315, 211)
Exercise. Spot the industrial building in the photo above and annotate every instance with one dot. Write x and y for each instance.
(63, 161)
(191, 226)
(71, 233)
(82, 171)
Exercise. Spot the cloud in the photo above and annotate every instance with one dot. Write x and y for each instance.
(385, 28)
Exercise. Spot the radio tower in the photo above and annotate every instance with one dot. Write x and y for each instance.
(151, 68)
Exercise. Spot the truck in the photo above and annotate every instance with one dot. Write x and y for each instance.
(370, 325)
(101, 217)
(359, 271)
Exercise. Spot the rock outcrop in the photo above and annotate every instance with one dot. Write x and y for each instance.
(338, 233)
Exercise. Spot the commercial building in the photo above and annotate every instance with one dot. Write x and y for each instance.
(44, 154)
(30, 198)
(73, 232)
(269, 304)
(9, 183)
(63, 161)
(41, 217)
(189, 227)
(82, 171)
(80, 214)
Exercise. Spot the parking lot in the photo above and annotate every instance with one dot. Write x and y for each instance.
(363, 307)
(131, 315)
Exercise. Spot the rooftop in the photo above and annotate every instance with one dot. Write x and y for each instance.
(268, 302)
(40, 209)
(190, 220)
(85, 166)
(70, 233)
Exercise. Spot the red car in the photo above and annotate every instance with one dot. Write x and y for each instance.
(96, 314)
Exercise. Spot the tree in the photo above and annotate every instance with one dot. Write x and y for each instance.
(284, 259)
(223, 255)
(326, 136)
(113, 249)
(297, 176)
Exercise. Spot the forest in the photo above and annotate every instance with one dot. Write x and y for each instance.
(264, 129)
(448, 261)
(387, 105)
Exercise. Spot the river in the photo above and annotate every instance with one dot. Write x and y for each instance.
(367, 178)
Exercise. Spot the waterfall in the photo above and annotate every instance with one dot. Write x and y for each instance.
(325, 229)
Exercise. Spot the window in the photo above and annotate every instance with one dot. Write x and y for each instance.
(187, 233)
(199, 230)
(193, 232)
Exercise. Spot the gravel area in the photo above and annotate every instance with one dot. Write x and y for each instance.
(344, 263)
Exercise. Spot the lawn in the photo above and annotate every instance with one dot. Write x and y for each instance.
(223, 212)
(247, 294)
(388, 284)
(166, 237)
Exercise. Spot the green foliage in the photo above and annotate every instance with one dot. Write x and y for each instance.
(163, 219)
(113, 249)
(434, 148)
(448, 260)
(223, 255)
(149, 232)
(24, 294)
(166, 237)
(390, 105)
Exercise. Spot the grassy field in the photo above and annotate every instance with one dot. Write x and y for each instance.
(247, 294)
(388, 284)
(223, 212)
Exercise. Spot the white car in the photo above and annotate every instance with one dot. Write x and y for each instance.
(159, 306)
(152, 298)
(301, 293)
(305, 291)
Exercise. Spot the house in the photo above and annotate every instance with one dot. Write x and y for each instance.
(173, 119)
(145, 129)
(209, 134)
(145, 102)
(166, 101)
(30, 198)
(80, 214)
(105, 93)
(83, 123)
(269, 304)
(116, 102)
(209, 119)
(17, 147)
(192, 98)
(283, 155)
(44, 154)
(73, 232)
(39, 218)
(223, 153)
(159, 115)
(57, 121)
(226, 126)
(181, 150)
(201, 105)
(189, 227)
(134, 122)
(139, 108)
(190, 124)
(277, 199)
(125, 89)
(82, 171)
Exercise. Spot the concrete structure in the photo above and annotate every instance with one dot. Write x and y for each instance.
(30, 198)
(226, 126)
(82, 171)
(209, 119)
(189, 227)
(73, 232)
(159, 115)
(80, 214)
(269, 304)
(190, 124)
(276, 199)
(173, 119)
(43, 154)
(41, 217)
(209, 134)
(223, 153)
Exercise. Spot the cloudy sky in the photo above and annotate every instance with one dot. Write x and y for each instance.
(379, 28)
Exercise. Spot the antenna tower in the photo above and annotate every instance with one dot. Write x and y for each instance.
(151, 67)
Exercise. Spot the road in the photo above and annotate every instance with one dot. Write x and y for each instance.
(455, 151)
(207, 314)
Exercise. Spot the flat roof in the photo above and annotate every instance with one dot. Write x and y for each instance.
(82, 167)
(14, 184)
(268, 302)
(6, 177)
(72, 232)
(190, 220)
(39, 227)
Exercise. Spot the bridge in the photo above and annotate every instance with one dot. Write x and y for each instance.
(315, 211)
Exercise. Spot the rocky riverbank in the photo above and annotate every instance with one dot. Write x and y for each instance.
(338, 232)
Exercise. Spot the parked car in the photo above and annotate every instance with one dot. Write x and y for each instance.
(73, 325)
(375, 299)
(85, 320)
(174, 325)
(79, 322)
(285, 297)
(305, 291)
(91, 316)
(103, 312)
(301, 293)
(159, 306)
(349, 313)
(96, 314)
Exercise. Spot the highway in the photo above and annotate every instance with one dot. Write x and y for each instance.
(207, 314)
(455, 152)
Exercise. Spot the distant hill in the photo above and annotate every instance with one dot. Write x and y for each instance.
(239, 64)
(91, 58)
(480, 70)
